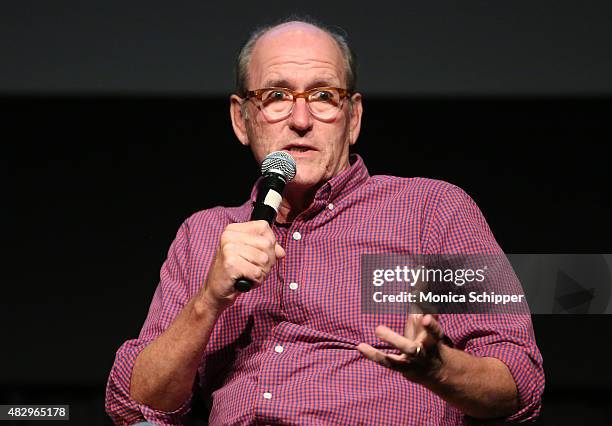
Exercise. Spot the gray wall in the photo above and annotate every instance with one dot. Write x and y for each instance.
(405, 48)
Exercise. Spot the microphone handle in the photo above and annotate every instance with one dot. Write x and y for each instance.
(269, 196)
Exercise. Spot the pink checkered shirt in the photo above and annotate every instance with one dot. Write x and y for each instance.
(285, 353)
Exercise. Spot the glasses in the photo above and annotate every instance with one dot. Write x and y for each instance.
(277, 103)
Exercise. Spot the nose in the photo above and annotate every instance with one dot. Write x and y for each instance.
(300, 119)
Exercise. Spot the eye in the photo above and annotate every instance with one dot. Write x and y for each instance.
(277, 95)
(323, 95)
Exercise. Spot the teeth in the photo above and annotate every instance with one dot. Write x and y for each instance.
(298, 149)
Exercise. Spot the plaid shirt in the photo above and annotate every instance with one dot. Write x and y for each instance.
(285, 352)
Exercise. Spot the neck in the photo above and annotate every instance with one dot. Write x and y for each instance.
(295, 201)
(297, 198)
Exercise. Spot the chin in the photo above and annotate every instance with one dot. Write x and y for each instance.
(306, 181)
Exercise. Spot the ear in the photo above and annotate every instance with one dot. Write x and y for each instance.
(238, 119)
(355, 118)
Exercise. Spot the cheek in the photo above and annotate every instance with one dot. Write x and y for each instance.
(258, 138)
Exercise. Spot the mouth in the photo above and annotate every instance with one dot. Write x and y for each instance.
(298, 149)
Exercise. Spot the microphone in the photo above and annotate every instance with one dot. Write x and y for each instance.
(277, 169)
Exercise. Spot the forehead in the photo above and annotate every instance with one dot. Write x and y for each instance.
(296, 53)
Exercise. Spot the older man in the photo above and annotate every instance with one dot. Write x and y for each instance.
(297, 349)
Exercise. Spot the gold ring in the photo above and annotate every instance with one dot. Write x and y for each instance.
(418, 350)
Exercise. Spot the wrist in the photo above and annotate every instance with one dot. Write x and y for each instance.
(206, 306)
(441, 370)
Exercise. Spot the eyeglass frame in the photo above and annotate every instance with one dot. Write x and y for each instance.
(343, 93)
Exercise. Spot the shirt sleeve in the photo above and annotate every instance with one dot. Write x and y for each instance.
(170, 297)
(459, 227)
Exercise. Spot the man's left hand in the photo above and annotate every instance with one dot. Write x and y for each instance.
(420, 345)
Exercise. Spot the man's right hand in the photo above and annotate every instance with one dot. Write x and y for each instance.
(163, 372)
(246, 250)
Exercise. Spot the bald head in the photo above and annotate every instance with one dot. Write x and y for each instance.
(298, 32)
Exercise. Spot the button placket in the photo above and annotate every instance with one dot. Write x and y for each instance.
(296, 236)
(295, 248)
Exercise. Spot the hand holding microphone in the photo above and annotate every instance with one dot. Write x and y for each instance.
(247, 251)
(277, 169)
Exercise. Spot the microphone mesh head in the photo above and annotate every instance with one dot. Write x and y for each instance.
(279, 162)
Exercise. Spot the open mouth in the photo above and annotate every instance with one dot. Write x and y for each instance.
(298, 149)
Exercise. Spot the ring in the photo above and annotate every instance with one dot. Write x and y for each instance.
(418, 350)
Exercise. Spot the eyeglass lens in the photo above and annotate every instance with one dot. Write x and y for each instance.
(323, 104)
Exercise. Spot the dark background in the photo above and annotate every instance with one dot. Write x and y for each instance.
(116, 128)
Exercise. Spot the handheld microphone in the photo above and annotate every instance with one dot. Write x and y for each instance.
(277, 169)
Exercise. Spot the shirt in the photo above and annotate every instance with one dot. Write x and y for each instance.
(285, 353)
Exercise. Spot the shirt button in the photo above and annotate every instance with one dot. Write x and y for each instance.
(293, 286)
(267, 395)
(297, 236)
(279, 349)
(330, 206)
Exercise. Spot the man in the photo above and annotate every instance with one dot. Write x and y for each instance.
(297, 349)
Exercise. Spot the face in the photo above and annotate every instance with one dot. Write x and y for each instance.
(299, 57)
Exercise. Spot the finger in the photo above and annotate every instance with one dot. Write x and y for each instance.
(373, 354)
(398, 359)
(261, 242)
(407, 346)
(433, 327)
(279, 251)
(422, 328)
(412, 326)
(250, 254)
(366, 349)
(393, 361)
(263, 230)
(258, 227)
(238, 267)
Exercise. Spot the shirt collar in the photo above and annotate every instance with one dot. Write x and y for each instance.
(344, 182)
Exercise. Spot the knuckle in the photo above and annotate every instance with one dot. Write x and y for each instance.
(261, 225)
(226, 236)
(272, 241)
(268, 242)
(229, 262)
(268, 231)
(228, 251)
(223, 239)
(232, 227)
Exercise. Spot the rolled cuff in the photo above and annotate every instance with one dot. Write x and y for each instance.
(526, 370)
(121, 408)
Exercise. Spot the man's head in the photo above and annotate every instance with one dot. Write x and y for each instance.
(244, 56)
(298, 56)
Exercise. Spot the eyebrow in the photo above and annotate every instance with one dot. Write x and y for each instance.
(288, 85)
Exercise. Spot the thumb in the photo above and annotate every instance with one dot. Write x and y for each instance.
(279, 251)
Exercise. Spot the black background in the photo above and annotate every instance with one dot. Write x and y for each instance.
(99, 178)
(101, 184)
(404, 47)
